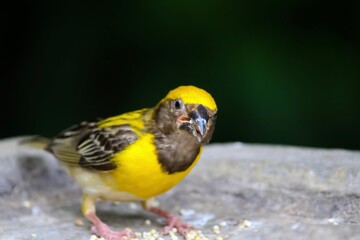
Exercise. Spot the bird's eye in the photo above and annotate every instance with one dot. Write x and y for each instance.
(178, 104)
(215, 116)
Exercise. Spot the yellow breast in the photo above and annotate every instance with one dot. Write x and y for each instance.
(139, 171)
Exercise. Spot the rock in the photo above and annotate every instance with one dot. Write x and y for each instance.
(243, 191)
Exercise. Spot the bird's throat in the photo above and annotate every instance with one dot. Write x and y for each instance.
(177, 155)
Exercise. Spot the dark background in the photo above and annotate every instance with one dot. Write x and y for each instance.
(283, 72)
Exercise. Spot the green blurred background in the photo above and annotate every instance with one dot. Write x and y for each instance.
(282, 72)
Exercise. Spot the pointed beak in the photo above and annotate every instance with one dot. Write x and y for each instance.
(199, 118)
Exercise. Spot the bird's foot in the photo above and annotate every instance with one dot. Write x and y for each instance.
(103, 230)
(172, 222)
(107, 233)
(175, 222)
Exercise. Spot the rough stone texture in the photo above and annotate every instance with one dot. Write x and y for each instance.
(283, 192)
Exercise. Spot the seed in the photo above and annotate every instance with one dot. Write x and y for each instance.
(216, 229)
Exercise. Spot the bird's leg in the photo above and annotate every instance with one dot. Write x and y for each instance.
(173, 221)
(99, 228)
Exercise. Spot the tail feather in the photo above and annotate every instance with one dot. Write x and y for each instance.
(37, 142)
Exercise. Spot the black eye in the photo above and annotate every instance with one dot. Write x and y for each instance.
(178, 104)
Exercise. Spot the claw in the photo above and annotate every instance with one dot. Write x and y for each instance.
(172, 222)
(103, 230)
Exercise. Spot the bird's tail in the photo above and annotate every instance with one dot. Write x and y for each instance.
(36, 142)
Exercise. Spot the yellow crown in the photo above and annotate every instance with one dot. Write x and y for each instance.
(193, 95)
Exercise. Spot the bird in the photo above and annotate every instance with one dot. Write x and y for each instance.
(136, 156)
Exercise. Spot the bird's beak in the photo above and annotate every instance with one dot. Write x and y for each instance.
(198, 122)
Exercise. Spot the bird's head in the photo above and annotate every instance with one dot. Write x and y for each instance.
(189, 110)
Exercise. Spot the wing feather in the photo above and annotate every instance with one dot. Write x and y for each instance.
(89, 146)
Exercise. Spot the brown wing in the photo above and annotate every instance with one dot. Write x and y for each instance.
(89, 146)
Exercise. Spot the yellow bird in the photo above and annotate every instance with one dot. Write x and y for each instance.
(137, 155)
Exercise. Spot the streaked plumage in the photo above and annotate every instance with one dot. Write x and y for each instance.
(137, 155)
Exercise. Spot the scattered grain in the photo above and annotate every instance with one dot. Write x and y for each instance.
(79, 222)
(333, 221)
(216, 229)
(223, 224)
(195, 235)
(27, 204)
(93, 237)
(173, 237)
(245, 224)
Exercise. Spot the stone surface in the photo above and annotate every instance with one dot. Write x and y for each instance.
(249, 191)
